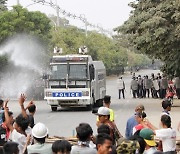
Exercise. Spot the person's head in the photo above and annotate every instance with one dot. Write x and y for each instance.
(21, 123)
(32, 108)
(148, 136)
(40, 132)
(103, 114)
(1, 103)
(127, 146)
(11, 148)
(140, 140)
(104, 143)
(84, 132)
(10, 116)
(138, 117)
(107, 99)
(166, 104)
(166, 121)
(103, 129)
(61, 147)
(139, 108)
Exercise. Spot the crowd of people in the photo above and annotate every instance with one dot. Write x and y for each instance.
(22, 136)
(158, 86)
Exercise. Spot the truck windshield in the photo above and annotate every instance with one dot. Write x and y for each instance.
(77, 71)
(59, 71)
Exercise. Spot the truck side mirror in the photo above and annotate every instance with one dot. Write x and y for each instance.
(91, 71)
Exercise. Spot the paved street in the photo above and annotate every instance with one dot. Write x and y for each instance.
(63, 122)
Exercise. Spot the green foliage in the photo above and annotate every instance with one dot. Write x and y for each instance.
(3, 5)
(20, 20)
(153, 28)
(100, 47)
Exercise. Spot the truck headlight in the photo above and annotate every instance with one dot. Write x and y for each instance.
(85, 93)
(48, 94)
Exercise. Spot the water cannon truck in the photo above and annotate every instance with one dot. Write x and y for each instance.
(75, 81)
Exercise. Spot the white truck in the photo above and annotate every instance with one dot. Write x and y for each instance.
(75, 81)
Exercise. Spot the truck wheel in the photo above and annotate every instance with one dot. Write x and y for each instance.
(54, 108)
(89, 107)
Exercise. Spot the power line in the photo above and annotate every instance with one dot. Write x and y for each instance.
(80, 17)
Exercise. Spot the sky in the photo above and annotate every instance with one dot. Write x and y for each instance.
(105, 13)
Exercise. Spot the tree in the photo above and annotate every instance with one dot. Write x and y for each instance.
(154, 29)
(20, 20)
(3, 5)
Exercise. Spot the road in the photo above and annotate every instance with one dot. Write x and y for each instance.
(64, 122)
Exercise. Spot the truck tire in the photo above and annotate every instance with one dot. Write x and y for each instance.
(89, 107)
(54, 108)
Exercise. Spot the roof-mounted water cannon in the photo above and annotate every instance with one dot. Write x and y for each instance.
(58, 50)
(83, 50)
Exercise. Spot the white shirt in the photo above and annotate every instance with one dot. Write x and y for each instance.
(168, 137)
(19, 138)
(120, 84)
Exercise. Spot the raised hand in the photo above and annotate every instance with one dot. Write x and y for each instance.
(5, 104)
(22, 99)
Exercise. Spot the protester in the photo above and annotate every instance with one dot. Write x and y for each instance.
(166, 105)
(148, 136)
(104, 115)
(61, 147)
(4, 129)
(103, 144)
(18, 130)
(40, 132)
(127, 147)
(107, 103)
(11, 148)
(32, 109)
(140, 140)
(1, 110)
(84, 135)
(131, 122)
(177, 86)
(167, 135)
(106, 130)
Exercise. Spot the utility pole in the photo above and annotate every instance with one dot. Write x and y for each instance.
(18, 2)
(57, 11)
(86, 26)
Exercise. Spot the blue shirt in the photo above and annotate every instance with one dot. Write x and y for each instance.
(129, 126)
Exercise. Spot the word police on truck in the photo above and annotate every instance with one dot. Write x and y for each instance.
(75, 81)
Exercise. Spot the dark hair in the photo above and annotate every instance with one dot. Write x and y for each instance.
(100, 138)
(3, 115)
(1, 102)
(11, 148)
(144, 115)
(166, 103)
(140, 140)
(40, 140)
(22, 122)
(84, 130)
(32, 108)
(61, 146)
(166, 120)
(103, 129)
(107, 99)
